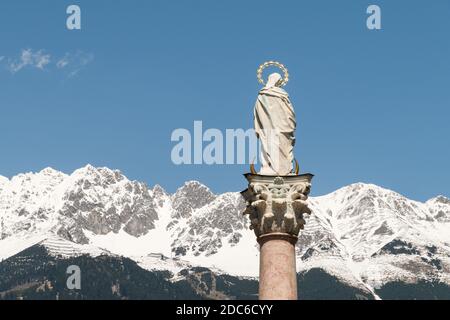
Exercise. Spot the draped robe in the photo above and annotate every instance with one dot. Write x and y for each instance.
(275, 124)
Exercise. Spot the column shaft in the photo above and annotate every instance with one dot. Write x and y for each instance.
(277, 270)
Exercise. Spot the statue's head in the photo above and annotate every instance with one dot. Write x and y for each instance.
(274, 80)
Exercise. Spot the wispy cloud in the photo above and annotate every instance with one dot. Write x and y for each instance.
(73, 63)
(62, 63)
(70, 64)
(28, 58)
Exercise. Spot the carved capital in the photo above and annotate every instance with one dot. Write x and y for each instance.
(277, 204)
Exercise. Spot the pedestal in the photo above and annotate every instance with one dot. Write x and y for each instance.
(276, 207)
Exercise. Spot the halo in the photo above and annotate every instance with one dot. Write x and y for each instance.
(261, 68)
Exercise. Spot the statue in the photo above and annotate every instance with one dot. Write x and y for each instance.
(276, 197)
(275, 124)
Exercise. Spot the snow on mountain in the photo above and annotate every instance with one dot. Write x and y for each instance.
(103, 201)
(59, 247)
(377, 235)
(362, 234)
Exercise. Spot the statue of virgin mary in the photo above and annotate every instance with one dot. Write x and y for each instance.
(275, 124)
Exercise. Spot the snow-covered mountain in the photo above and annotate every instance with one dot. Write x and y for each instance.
(362, 234)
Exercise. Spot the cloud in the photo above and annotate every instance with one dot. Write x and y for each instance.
(70, 64)
(28, 58)
(73, 63)
(62, 63)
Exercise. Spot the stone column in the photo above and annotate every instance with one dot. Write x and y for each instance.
(276, 207)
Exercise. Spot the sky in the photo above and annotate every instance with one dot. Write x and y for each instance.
(372, 106)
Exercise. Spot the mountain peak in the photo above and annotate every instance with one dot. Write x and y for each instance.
(3, 180)
(50, 173)
(439, 199)
(366, 186)
(92, 169)
(193, 187)
(49, 170)
(192, 195)
(194, 183)
(356, 190)
(98, 175)
(85, 171)
(158, 190)
(89, 167)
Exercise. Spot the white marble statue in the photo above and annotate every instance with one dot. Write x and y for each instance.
(275, 125)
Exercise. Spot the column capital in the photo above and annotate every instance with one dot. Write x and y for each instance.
(277, 205)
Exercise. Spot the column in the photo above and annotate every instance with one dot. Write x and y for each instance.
(276, 207)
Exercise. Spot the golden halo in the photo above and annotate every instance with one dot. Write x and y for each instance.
(261, 68)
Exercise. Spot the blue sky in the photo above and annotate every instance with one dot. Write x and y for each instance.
(372, 106)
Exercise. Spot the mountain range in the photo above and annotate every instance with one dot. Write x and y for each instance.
(361, 242)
